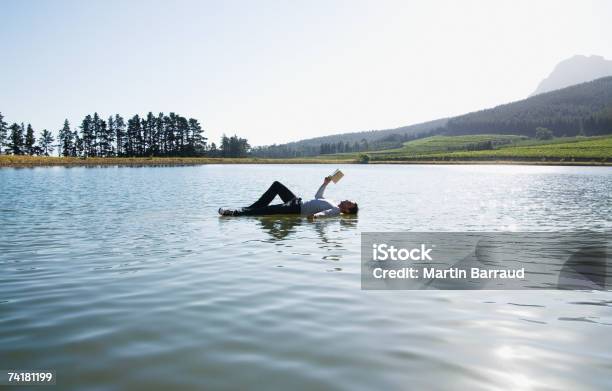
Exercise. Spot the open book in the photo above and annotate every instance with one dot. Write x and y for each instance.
(336, 176)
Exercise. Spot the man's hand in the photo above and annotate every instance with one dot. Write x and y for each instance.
(326, 180)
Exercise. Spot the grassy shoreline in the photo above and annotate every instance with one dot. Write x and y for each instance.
(41, 161)
(45, 161)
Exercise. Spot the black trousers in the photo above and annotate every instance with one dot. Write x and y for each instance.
(291, 203)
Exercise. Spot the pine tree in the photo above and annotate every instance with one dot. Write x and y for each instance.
(3, 133)
(133, 136)
(160, 135)
(197, 142)
(213, 152)
(120, 135)
(225, 146)
(104, 139)
(182, 134)
(15, 145)
(30, 140)
(170, 134)
(98, 133)
(139, 138)
(61, 134)
(88, 141)
(79, 148)
(66, 140)
(111, 132)
(148, 131)
(45, 142)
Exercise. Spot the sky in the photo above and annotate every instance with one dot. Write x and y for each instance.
(278, 71)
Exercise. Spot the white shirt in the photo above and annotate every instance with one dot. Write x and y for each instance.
(320, 206)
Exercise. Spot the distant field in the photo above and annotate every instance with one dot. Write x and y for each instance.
(566, 149)
(594, 149)
(436, 144)
(493, 148)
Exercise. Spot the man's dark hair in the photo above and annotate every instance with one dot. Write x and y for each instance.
(354, 209)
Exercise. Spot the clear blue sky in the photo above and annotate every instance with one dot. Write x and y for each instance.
(276, 71)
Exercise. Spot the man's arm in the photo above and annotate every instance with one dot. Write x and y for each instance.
(321, 190)
(326, 213)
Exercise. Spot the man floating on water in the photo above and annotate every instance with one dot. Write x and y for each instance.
(293, 205)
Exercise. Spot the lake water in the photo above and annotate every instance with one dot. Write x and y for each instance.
(123, 277)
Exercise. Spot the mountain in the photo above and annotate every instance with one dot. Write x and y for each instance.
(575, 70)
(580, 109)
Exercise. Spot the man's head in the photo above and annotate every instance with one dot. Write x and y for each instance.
(348, 207)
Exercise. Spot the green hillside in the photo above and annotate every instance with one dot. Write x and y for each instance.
(583, 109)
(349, 142)
(520, 148)
(437, 144)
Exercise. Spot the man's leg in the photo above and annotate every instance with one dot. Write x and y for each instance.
(292, 207)
(275, 189)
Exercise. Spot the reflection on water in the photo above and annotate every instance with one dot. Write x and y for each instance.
(280, 228)
(124, 278)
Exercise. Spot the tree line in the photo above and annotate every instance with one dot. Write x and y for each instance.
(301, 149)
(151, 135)
(286, 151)
(18, 139)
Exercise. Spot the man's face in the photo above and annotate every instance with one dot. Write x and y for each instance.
(346, 205)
